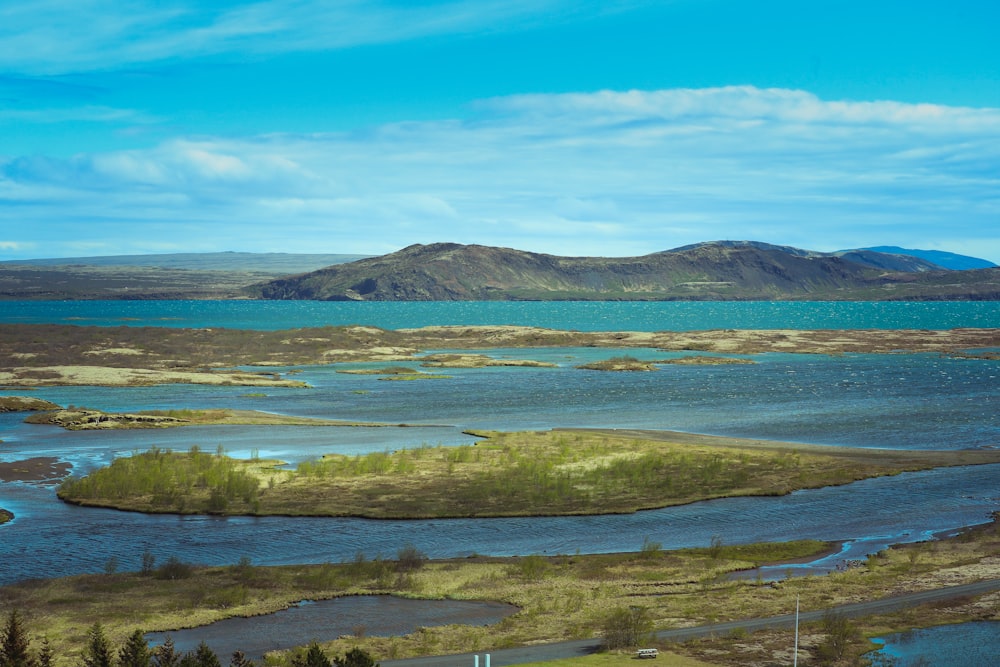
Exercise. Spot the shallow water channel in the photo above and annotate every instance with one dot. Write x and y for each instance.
(377, 615)
(959, 645)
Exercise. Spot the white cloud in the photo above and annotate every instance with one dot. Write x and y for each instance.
(89, 113)
(601, 173)
(45, 36)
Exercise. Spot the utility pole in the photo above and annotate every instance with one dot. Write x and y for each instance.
(795, 660)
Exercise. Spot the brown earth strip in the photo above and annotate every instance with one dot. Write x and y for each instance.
(38, 469)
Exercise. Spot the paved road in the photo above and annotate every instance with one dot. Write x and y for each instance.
(573, 649)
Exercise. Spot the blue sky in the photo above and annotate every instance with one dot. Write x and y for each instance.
(567, 127)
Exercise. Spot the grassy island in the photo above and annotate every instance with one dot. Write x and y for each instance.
(505, 474)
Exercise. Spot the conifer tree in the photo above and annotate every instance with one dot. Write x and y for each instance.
(98, 652)
(45, 653)
(165, 655)
(15, 645)
(356, 657)
(206, 657)
(313, 657)
(135, 652)
(240, 659)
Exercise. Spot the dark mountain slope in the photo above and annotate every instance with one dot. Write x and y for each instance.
(870, 257)
(449, 272)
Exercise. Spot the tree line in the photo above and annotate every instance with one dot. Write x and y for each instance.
(16, 651)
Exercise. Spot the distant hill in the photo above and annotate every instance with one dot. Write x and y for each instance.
(712, 271)
(947, 260)
(721, 270)
(218, 275)
(278, 263)
(864, 256)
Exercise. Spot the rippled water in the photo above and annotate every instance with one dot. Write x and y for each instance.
(579, 315)
(960, 645)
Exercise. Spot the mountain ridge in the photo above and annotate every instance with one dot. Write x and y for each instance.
(719, 270)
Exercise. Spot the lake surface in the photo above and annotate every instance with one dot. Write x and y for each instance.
(582, 316)
(902, 401)
(374, 615)
(961, 645)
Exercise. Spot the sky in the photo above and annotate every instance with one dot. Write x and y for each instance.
(569, 127)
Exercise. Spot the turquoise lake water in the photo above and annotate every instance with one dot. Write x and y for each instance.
(582, 316)
(960, 645)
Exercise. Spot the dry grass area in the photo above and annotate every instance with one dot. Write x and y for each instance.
(65, 354)
(106, 376)
(561, 597)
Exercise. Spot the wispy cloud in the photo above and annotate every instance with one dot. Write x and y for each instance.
(604, 173)
(44, 37)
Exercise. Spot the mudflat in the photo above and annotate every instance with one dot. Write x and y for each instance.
(38, 355)
(37, 469)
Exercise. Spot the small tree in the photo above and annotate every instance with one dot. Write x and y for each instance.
(626, 627)
(356, 657)
(650, 549)
(840, 633)
(135, 652)
(165, 655)
(15, 645)
(45, 654)
(313, 657)
(98, 652)
(410, 558)
(148, 563)
(206, 657)
(240, 659)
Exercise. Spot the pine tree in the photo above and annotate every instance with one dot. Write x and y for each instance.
(356, 657)
(313, 657)
(135, 652)
(15, 645)
(98, 651)
(165, 655)
(241, 660)
(45, 653)
(206, 657)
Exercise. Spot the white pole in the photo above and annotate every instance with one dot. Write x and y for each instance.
(476, 663)
(487, 660)
(795, 662)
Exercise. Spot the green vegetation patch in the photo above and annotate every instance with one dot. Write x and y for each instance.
(508, 474)
(25, 404)
(160, 480)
